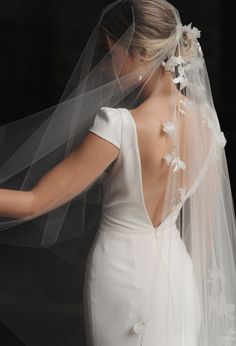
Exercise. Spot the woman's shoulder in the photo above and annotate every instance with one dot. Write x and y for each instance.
(112, 109)
(113, 114)
(107, 124)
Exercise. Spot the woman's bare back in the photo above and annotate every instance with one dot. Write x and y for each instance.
(153, 144)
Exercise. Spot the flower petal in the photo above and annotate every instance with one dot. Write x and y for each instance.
(139, 327)
(175, 161)
(168, 157)
(168, 127)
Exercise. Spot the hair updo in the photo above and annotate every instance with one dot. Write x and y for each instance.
(188, 43)
(155, 27)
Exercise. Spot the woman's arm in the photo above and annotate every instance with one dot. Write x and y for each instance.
(63, 182)
(15, 203)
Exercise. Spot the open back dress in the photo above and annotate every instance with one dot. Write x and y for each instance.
(140, 287)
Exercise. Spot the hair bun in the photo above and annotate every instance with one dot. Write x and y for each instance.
(188, 41)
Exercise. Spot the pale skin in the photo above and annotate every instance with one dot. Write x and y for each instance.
(85, 163)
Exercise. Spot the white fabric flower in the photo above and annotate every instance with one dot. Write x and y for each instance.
(181, 110)
(169, 128)
(184, 105)
(181, 79)
(174, 161)
(221, 140)
(178, 164)
(169, 157)
(177, 61)
(193, 31)
(139, 327)
(172, 62)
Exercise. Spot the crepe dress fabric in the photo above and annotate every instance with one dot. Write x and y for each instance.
(140, 288)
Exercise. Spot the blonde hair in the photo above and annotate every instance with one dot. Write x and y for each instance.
(155, 27)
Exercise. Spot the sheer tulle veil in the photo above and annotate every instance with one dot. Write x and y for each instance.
(198, 193)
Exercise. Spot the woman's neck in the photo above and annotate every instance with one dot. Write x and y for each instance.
(159, 86)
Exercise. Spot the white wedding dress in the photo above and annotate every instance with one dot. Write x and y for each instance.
(140, 287)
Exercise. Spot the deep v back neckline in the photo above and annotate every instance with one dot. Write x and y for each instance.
(140, 174)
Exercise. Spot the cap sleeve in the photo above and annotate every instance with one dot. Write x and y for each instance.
(107, 124)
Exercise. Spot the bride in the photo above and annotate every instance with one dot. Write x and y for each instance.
(135, 134)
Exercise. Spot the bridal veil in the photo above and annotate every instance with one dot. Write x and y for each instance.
(198, 180)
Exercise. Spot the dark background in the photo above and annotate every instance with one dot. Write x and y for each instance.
(41, 42)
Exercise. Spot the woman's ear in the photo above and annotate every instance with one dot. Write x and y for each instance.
(144, 56)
